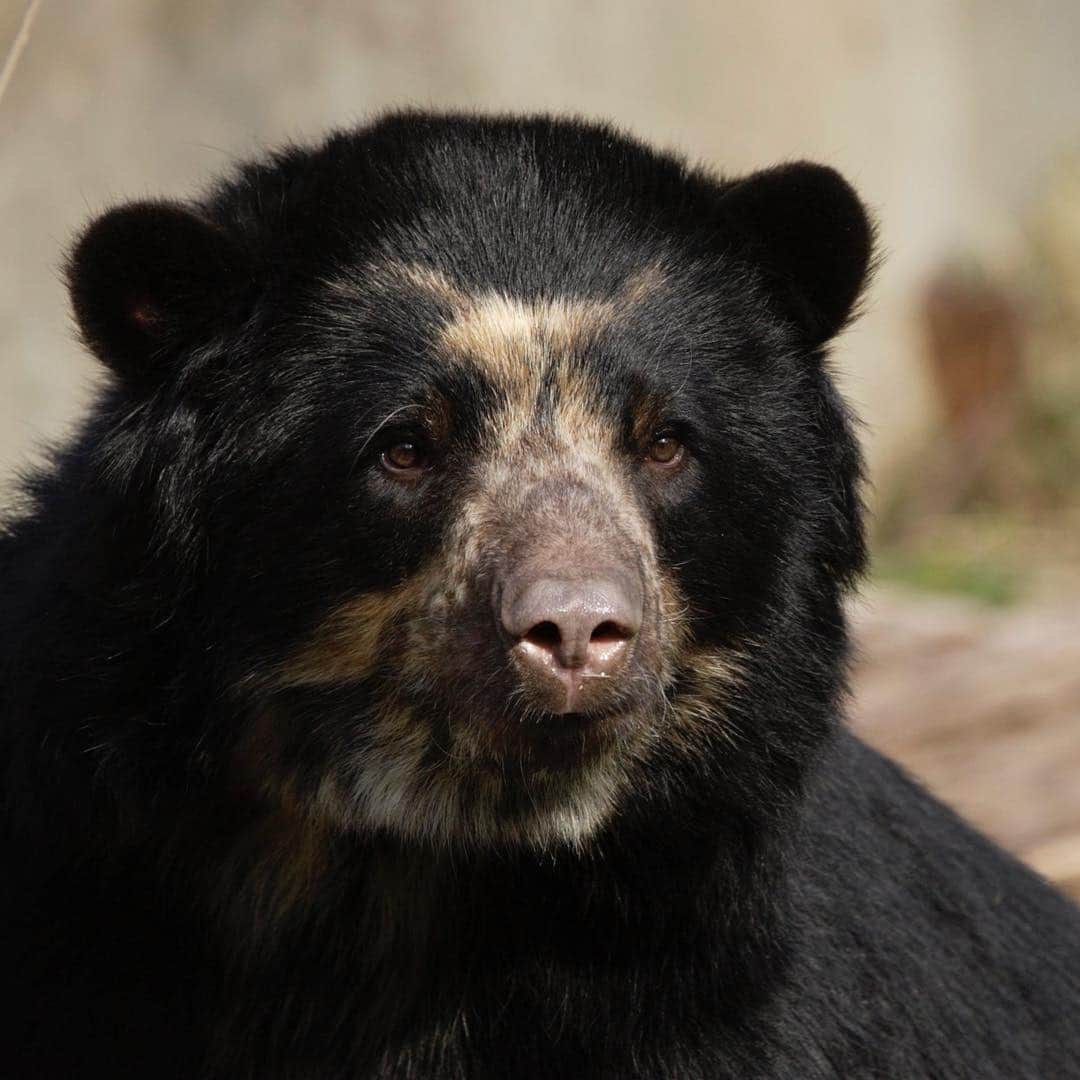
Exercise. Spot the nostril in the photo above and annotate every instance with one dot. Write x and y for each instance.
(545, 634)
(610, 632)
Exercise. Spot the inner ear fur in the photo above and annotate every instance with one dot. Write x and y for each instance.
(150, 279)
(808, 231)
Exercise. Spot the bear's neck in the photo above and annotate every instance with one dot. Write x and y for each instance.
(385, 940)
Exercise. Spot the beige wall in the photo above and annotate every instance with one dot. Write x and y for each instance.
(945, 114)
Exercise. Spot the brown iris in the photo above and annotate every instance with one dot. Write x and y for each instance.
(406, 459)
(665, 450)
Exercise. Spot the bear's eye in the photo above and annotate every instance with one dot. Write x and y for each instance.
(665, 451)
(406, 460)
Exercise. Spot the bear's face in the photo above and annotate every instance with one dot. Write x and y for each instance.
(487, 549)
(516, 661)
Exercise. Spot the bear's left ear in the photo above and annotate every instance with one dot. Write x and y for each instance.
(809, 232)
(150, 280)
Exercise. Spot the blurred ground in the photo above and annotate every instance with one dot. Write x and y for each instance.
(983, 705)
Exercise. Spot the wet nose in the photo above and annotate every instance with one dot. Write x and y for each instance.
(573, 631)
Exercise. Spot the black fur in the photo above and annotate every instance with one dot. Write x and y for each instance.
(782, 904)
(150, 280)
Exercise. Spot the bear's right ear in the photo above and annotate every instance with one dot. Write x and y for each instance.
(150, 279)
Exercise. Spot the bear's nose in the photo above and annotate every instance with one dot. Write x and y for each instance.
(572, 631)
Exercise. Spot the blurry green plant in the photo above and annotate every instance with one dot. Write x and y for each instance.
(986, 580)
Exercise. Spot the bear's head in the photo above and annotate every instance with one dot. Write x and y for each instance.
(489, 474)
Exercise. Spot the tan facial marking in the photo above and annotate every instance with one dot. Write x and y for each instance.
(510, 338)
(345, 647)
(698, 716)
(507, 336)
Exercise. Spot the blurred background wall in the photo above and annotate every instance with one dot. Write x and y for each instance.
(958, 120)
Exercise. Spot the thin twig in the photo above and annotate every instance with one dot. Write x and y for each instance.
(17, 46)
